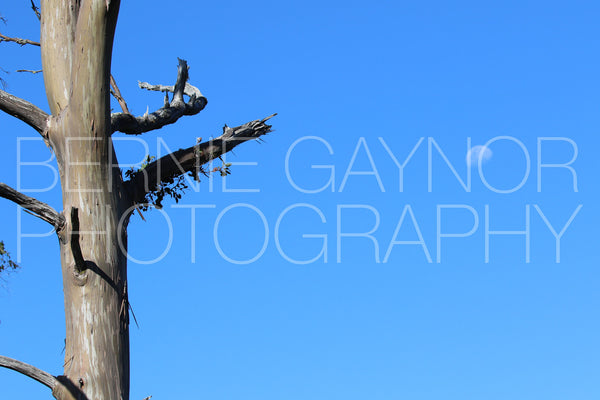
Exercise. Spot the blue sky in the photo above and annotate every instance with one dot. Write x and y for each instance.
(353, 83)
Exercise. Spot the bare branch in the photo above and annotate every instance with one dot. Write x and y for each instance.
(20, 41)
(191, 159)
(25, 111)
(62, 388)
(29, 370)
(36, 10)
(170, 113)
(33, 71)
(182, 77)
(38, 208)
(117, 94)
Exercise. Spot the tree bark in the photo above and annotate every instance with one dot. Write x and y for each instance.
(76, 45)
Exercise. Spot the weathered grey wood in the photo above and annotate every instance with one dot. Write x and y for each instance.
(61, 387)
(38, 208)
(116, 92)
(23, 110)
(76, 45)
(74, 34)
(29, 370)
(191, 159)
(170, 113)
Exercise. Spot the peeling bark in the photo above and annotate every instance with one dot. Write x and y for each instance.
(76, 47)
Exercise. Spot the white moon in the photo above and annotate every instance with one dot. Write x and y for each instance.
(478, 153)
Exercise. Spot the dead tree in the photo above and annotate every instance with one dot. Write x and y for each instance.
(76, 44)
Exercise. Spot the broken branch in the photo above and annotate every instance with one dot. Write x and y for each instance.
(36, 10)
(192, 158)
(170, 113)
(62, 387)
(29, 370)
(38, 208)
(25, 111)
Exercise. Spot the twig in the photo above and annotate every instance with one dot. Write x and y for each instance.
(117, 94)
(33, 71)
(20, 41)
(36, 10)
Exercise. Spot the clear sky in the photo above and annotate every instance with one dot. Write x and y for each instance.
(408, 300)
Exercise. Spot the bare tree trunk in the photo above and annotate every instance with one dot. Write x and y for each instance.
(76, 43)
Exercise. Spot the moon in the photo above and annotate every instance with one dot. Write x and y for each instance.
(478, 154)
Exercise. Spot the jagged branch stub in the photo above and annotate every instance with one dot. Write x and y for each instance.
(170, 113)
(190, 160)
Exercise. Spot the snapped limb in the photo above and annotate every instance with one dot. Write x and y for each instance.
(190, 160)
(172, 110)
(62, 388)
(24, 110)
(36, 207)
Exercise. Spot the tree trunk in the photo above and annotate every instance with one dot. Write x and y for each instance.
(76, 43)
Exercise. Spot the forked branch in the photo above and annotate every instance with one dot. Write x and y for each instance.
(36, 207)
(172, 110)
(190, 160)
